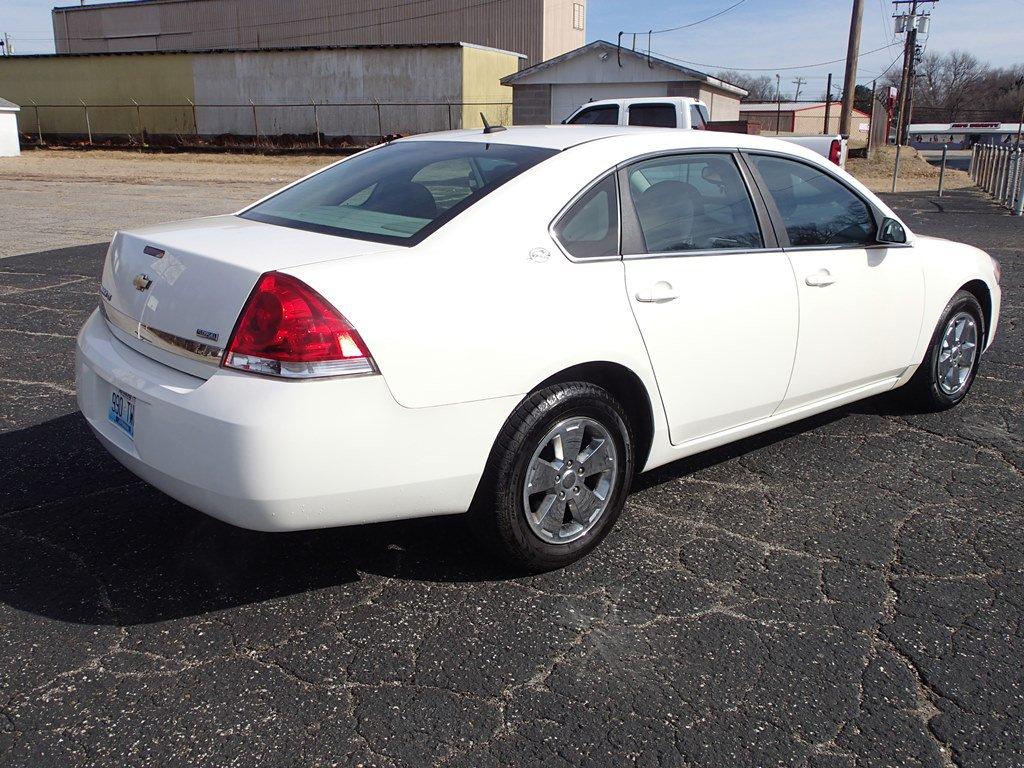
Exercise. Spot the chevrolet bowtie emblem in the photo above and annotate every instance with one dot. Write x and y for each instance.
(141, 283)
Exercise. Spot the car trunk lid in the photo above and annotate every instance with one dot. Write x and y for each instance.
(173, 292)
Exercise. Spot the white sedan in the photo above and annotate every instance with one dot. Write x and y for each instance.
(513, 323)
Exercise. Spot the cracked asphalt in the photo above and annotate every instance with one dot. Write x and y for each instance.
(846, 591)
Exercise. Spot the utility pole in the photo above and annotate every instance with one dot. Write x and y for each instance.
(852, 53)
(799, 83)
(778, 103)
(906, 95)
(828, 103)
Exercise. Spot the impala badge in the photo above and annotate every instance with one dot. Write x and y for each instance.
(142, 283)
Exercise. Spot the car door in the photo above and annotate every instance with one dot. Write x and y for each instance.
(713, 295)
(861, 302)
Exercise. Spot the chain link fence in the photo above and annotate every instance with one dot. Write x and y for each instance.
(281, 125)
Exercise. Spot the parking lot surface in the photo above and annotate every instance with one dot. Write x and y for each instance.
(846, 591)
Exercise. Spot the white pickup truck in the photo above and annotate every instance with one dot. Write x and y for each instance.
(684, 112)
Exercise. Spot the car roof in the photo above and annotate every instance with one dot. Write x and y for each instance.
(629, 138)
(546, 136)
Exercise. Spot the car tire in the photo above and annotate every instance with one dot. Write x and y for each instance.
(932, 387)
(519, 510)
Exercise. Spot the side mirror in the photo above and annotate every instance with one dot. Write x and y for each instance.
(891, 231)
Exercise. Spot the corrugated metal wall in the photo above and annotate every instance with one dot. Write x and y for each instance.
(537, 28)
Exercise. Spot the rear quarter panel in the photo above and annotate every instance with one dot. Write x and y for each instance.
(489, 306)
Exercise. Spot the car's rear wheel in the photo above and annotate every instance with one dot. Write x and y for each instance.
(557, 477)
(948, 370)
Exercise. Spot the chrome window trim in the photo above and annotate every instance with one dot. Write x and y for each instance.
(701, 252)
(177, 345)
(576, 198)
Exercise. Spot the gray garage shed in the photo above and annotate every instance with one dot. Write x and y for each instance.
(550, 91)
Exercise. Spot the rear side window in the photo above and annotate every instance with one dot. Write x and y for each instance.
(697, 118)
(693, 202)
(603, 115)
(653, 115)
(398, 193)
(590, 228)
(815, 208)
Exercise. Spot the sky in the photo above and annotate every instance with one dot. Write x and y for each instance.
(788, 37)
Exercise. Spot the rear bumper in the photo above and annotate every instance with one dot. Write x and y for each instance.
(285, 455)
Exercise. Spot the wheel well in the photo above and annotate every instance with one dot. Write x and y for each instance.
(981, 293)
(626, 387)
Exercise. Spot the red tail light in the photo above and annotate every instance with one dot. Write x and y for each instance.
(288, 329)
(835, 151)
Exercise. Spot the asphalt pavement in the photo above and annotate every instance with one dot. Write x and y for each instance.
(846, 591)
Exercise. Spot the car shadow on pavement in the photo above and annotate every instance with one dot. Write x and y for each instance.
(82, 540)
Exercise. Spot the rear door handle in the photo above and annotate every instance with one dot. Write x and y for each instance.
(659, 293)
(820, 279)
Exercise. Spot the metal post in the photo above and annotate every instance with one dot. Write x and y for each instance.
(942, 169)
(1019, 210)
(195, 122)
(255, 125)
(974, 160)
(316, 123)
(380, 123)
(1011, 190)
(449, 115)
(1004, 156)
(39, 126)
(138, 117)
(896, 168)
(88, 125)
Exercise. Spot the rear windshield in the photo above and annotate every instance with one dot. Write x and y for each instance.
(399, 193)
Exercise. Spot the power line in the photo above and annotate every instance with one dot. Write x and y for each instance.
(718, 67)
(686, 26)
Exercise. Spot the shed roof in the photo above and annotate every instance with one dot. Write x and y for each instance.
(8, 106)
(623, 53)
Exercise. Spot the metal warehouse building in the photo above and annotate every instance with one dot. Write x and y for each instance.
(540, 29)
(803, 117)
(361, 91)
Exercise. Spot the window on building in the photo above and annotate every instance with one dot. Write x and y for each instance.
(816, 209)
(693, 203)
(653, 115)
(590, 228)
(578, 15)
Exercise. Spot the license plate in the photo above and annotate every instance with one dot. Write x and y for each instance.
(122, 412)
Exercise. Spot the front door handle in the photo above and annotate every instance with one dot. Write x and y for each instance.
(820, 279)
(659, 293)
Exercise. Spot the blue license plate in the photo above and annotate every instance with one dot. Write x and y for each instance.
(122, 412)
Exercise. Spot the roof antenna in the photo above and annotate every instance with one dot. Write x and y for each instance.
(488, 128)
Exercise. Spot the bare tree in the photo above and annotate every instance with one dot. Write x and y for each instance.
(759, 87)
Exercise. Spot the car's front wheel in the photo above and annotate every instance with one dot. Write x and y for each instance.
(949, 367)
(557, 477)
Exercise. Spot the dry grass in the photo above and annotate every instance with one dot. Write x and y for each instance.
(146, 168)
(916, 174)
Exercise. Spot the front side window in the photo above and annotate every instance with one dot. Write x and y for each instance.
(815, 208)
(590, 228)
(693, 203)
(607, 114)
(653, 115)
(398, 193)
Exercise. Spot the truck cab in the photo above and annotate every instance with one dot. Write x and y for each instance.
(654, 112)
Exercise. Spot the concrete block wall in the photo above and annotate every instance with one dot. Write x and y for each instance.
(531, 105)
